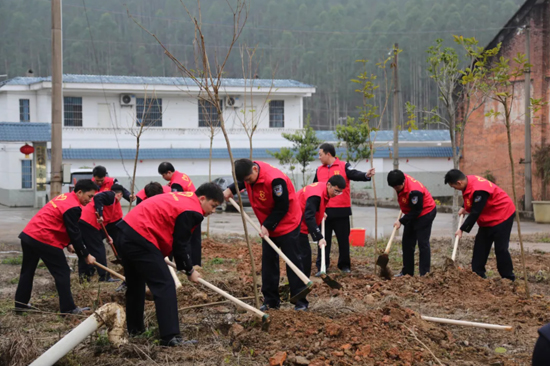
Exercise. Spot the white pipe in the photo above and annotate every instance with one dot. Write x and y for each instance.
(111, 314)
(467, 323)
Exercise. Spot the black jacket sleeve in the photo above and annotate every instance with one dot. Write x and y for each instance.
(181, 250)
(356, 175)
(416, 202)
(232, 187)
(315, 179)
(480, 200)
(176, 187)
(71, 218)
(106, 198)
(313, 204)
(280, 209)
(138, 200)
(125, 192)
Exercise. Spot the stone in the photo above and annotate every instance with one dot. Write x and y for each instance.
(346, 346)
(235, 330)
(333, 330)
(200, 296)
(338, 353)
(369, 299)
(301, 360)
(363, 350)
(386, 318)
(277, 359)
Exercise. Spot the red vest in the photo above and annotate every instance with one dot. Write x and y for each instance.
(318, 189)
(111, 213)
(106, 185)
(260, 195)
(154, 219)
(337, 168)
(499, 206)
(410, 185)
(47, 226)
(183, 180)
(142, 196)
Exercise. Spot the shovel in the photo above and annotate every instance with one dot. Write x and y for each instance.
(111, 244)
(264, 316)
(289, 263)
(383, 259)
(114, 273)
(457, 239)
(326, 278)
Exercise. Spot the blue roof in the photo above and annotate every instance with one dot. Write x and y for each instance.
(387, 135)
(157, 80)
(221, 153)
(25, 131)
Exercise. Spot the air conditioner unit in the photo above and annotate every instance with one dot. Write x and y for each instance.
(127, 100)
(233, 102)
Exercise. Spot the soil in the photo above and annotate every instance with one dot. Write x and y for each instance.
(369, 321)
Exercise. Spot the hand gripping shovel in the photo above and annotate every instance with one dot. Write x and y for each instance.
(289, 263)
(326, 278)
(264, 316)
(111, 244)
(383, 259)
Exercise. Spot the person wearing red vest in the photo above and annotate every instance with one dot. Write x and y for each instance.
(150, 190)
(161, 226)
(52, 229)
(494, 211)
(107, 205)
(419, 211)
(180, 182)
(313, 200)
(338, 209)
(273, 199)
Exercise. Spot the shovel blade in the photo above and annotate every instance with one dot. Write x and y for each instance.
(382, 260)
(330, 282)
(385, 272)
(302, 294)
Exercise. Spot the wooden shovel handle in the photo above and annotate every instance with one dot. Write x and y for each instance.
(323, 264)
(388, 247)
(116, 274)
(299, 273)
(457, 239)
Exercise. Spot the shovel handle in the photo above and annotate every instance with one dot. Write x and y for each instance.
(173, 273)
(116, 274)
(457, 239)
(323, 264)
(108, 236)
(388, 247)
(223, 293)
(299, 273)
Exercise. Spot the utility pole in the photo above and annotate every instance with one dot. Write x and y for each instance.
(395, 109)
(528, 173)
(57, 100)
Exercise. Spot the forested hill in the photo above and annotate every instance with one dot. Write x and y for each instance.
(313, 41)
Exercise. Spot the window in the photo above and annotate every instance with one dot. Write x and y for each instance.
(149, 112)
(277, 114)
(208, 115)
(26, 173)
(24, 110)
(72, 111)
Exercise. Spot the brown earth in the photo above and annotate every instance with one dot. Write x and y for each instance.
(368, 322)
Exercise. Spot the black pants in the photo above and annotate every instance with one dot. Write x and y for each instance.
(418, 230)
(500, 235)
(541, 353)
(305, 253)
(271, 272)
(144, 264)
(55, 261)
(94, 242)
(196, 246)
(341, 227)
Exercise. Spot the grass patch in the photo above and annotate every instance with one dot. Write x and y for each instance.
(14, 281)
(545, 239)
(15, 261)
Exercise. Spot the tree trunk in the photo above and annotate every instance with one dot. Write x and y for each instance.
(209, 178)
(508, 127)
(375, 207)
(135, 165)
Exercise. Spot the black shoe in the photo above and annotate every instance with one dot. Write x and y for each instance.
(77, 310)
(346, 270)
(300, 307)
(177, 341)
(400, 274)
(122, 287)
(266, 307)
(110, 279)
(20, 309)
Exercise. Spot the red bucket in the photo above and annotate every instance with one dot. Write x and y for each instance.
(357, 237)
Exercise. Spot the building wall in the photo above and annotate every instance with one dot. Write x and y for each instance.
(486, 146)
(11, 191)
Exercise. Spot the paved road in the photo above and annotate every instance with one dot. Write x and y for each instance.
(13, 220)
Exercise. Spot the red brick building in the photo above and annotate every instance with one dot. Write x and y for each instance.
(485, 146)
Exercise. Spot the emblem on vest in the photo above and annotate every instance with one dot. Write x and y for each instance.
(336, 172)
(404, 199)
(61, 197)
(468, 203)
(185, 178)
(262, 196)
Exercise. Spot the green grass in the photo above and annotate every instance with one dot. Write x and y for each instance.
(16, 261)
(545, 239)
(14, 281)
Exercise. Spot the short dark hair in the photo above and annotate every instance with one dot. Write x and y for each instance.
(328, 149)
(211, 191)
(152, 189)
(243, 168)
(396, 178)
(117, 188)
(85, 185)
(337, 181)
(453, 176)
(99, 171)
(166, 167)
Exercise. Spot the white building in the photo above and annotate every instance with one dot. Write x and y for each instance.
(103, 114)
